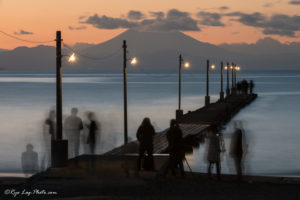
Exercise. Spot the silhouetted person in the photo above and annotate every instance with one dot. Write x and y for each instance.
(245, 86)
(251, 86)
(236, 149)
(49, 133)
(145, 135)
(93, 131)
(239, 87)
(73, 125)
(29, 160)
(214, 150)
(176, 147)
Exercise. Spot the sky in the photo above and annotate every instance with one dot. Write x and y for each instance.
(96, 21)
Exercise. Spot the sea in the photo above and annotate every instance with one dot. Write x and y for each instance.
(271, 123)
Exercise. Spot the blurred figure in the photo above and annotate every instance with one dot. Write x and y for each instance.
(236, 148)
(251, 86)
(244, 87)
(73, 125)
(145, 135)
(49, 133)
(93, 131)
(176, 147)
(214, 150)
(29, 161)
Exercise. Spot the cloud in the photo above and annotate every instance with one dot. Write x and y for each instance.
(105, 22)
(157, 14)
(82, 17)
(173, 20)
(295, 2)
(271, 4)
(223, 8)
(77, 28)
(278, 24)
(210, 19)
(135, 15)
(22, 32)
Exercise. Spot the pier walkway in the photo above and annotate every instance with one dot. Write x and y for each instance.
(194, 123)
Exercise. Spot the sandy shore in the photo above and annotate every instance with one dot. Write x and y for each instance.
(145, 186)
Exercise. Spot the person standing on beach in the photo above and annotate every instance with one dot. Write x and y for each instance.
(93, 131)
(214, 150)
(29, 161)
(176, 147)
(236, 149)
(73, 125)
(49, 133)
(145, 135)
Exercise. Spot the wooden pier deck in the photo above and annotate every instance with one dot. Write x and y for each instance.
(194, 123)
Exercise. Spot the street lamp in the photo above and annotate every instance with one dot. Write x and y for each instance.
(227, 84)
(221, 92)
(179, 112)
(207, 97)
(133, 61)
(59, 147)
(236, 69)
(232, 79)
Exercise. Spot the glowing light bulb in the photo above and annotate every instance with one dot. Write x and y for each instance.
(186, 65)
(134, 61)
(213, 66)
(72, 58)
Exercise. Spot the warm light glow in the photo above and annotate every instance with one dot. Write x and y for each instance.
(237, 68)
(213, 66)
(186, 65)
(133, 61)
(72, 58)
(226, 67)
(231, 67)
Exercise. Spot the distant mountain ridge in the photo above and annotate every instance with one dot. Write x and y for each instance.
(157, 51)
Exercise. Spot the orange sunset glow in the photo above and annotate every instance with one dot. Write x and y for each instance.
(40, 19)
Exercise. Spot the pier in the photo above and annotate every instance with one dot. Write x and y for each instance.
(121, 161)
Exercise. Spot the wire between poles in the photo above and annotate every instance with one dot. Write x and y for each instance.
(89, 57)
(23, 40)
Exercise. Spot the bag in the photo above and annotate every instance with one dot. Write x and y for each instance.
(148, 163)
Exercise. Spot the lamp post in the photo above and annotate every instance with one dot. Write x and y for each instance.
(125, 91)
(221, 92)
(59, 147)
(236, 69)
(179, 112)
(227, 84)
(232, 78)
(133, 62)
(207, 97)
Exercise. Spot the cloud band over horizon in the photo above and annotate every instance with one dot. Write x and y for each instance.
(176, 20)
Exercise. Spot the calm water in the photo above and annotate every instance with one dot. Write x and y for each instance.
(271, 122)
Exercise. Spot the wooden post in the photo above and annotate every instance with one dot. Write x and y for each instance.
(221, 92)
(227, 85)
(125, 91)
(207, 97)
(58, 87)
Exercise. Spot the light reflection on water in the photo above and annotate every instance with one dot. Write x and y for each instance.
(271, 121)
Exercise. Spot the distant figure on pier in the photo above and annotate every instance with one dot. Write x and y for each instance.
(251, 86)
(176, 147)
(237, 148)
(239, 87)
(93, 132)
(214, 150)
(145, 135)
(29, 161)
(73, 125)
(245, 86)
(49, 133)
